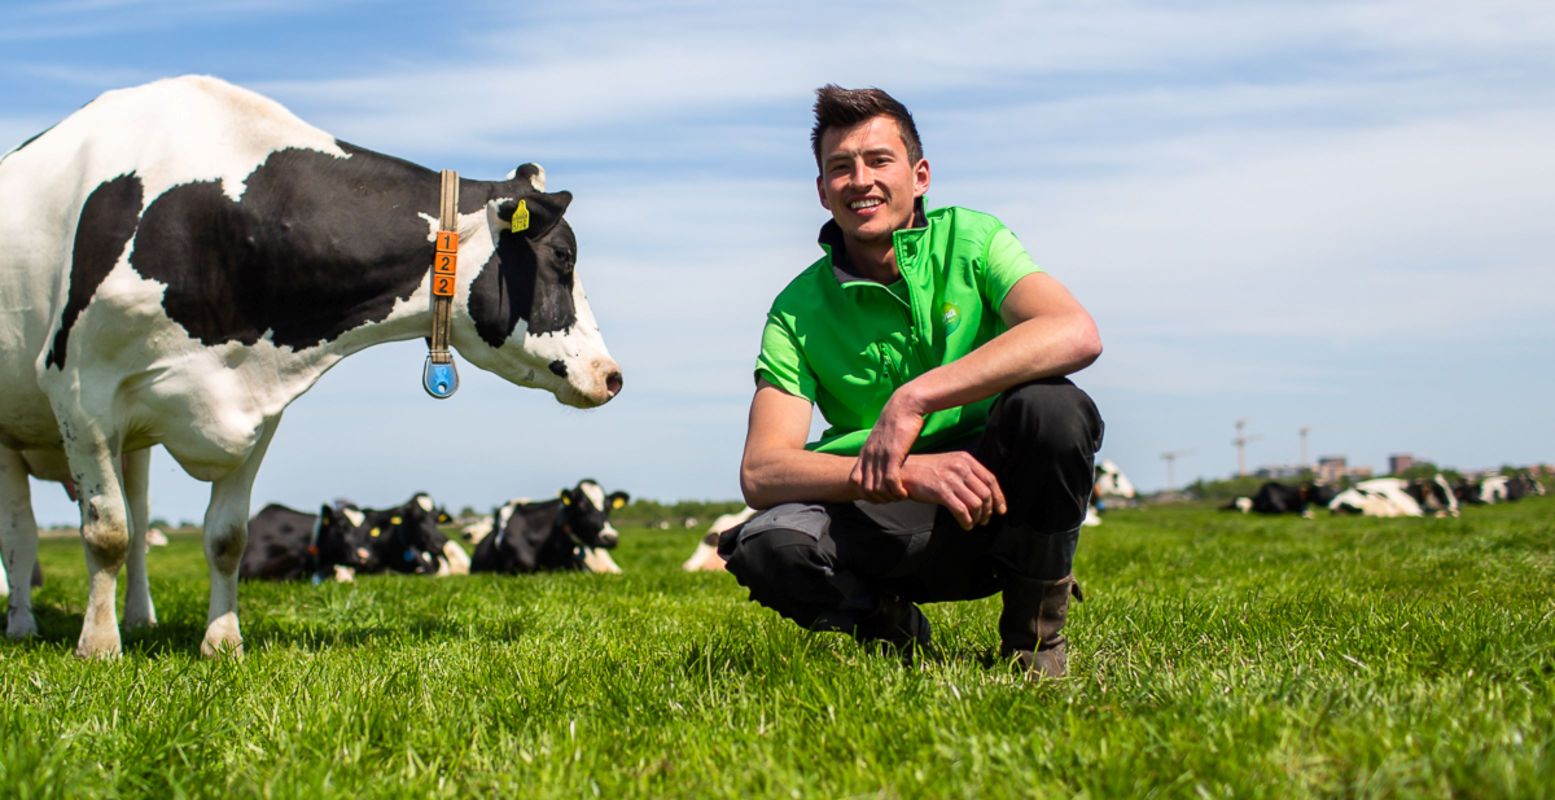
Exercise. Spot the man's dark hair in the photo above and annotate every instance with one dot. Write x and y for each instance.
(836, 107)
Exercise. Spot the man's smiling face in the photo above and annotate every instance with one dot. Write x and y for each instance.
(867, 181)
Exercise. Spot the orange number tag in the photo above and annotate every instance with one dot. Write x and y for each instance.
(443, 285)
(447, 241)
(445, 263)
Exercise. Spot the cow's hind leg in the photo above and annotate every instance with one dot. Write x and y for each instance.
(18, 541)
(105, 534)
(138, 610)
(226, 533)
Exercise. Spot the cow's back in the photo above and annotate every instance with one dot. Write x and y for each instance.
(106, 163)
(278, 541)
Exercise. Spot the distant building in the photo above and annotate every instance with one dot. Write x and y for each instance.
(1399, 462)
(1360, 473)
(1331, 468)
(1274, 472)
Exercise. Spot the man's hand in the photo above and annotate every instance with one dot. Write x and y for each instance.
(957, 481)
(877, 475)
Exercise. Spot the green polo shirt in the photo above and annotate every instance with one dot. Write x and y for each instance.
(845, 343)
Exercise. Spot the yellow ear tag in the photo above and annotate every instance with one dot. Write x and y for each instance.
(521, 217)
(395, 520)
(618, 503)
(375, 532)
(566, 501)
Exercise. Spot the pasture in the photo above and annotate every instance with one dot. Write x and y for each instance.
(1216, 655)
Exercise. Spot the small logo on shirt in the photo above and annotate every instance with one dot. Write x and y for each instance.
(950, 317)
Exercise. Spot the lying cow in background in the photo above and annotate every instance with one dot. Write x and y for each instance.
(1111, 486)
(342, 542)
(1278, 498)
(571, 532)
(1435, 495)
(1500, 489)
(285, 544)
(1378, 497)
(705, 558)
(184, 259)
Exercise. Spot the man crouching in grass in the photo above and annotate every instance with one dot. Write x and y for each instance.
(958, 462)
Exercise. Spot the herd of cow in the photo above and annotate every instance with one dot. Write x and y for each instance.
(1390, 497)
(1377, 497)
(570, 532)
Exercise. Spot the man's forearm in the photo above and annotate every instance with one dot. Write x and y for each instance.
(789, 475)
(1034, 349)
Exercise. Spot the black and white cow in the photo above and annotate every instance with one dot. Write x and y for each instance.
(1378, 497)
(286, 544)
(343, 541)
(705, 557)
(1435, 495)
(406, 539)
(184, 259)
(1278, 498)
(571, 532)
(1111, 487)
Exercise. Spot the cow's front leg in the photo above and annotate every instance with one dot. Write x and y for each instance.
(105, 535)
(138, 610)
(19, 542)
(226, 533)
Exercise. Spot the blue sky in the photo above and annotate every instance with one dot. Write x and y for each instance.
(1332, 214)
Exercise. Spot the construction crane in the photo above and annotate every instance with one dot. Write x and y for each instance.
(1171, 459)
(1305, 463)
(1241, 441)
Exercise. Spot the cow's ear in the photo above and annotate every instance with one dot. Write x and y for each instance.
(531, 173)
(566, 498)
(618, 500)
(534, 215)
(326, 514)
(443, 518)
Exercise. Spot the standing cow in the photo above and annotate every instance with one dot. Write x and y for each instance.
(184, 259)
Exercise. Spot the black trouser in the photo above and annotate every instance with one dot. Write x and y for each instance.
(824, 565)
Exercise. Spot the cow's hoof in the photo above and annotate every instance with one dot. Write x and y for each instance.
(99, 645)
(21, 626)
(137, 615)
(137, 621)
(222, 638)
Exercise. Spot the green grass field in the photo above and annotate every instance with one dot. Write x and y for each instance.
(1217, 655)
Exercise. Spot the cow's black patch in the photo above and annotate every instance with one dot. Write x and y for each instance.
(558, 368)
(107, 222)
(530, 275)
(317, 245)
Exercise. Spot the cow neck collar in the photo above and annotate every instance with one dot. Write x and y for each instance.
(439, 376)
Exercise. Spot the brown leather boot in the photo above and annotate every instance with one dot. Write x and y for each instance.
(1030, 637)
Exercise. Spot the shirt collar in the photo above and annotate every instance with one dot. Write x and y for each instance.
(830, 240)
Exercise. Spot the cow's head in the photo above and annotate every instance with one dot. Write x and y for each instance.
(342, 541)
(531, 322)
(1111, 482)
(585, 514)
(406, 538)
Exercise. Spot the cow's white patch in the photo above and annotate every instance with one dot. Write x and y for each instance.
(1111, 482)
(598, 560)
(424, 501)
(355, 517)
(478, 530)
(595, 494)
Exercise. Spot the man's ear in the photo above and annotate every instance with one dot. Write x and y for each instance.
(920, 178)
(820, 189)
